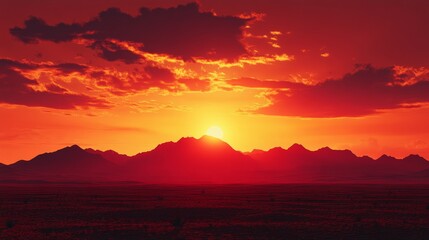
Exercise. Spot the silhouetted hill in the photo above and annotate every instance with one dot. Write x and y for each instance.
(210, 160)
(4, 168)
(411, 163)
(415, 160)
(326, 164)
(68, 163)
(110, 155)
(206, 159)
(386, 158)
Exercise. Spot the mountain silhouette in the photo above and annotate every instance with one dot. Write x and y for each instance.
(110, 155)
(206, 159)
(3, 167)
(69, 163)
(211, 160)
(326, 164)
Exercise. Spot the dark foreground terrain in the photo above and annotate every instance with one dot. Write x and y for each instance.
(73, 211)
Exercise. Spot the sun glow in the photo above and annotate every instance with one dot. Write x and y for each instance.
(215, 131)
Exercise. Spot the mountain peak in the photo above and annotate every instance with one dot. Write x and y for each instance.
(385, 157)
(71, 149)
(210, 138)
(415, 158)
(324, 149)
(213, 141)
(185, 139)
(202, 140)
(204, 143)
(74, 147)
(276, 149)
(297, 147)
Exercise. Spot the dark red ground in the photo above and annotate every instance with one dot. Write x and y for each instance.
(48, 211)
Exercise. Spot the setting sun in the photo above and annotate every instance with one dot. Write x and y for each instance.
(215, 131)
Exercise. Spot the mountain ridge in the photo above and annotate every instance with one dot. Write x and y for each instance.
(211, 160)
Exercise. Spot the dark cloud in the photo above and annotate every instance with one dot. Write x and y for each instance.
(366, 91)
(36, 28)
(159, 74)
(67, 68)
(181, 31)
(113, 52)
(7, 63)
(15, 88)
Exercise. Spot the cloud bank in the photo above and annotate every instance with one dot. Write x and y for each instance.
(183, 32)
(366, 91)
(15, 88)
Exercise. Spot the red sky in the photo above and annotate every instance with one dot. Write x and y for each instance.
(128, 75)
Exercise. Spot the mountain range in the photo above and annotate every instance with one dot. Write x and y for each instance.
(211, 160)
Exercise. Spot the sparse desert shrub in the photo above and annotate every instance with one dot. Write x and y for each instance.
(9, 223)
(427, 207)
(178, 222)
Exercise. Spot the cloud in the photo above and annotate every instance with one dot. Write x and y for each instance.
(36, 28)
(256, 83)
(120, 83)
(113, 52)
(65, 68)
(52, 87)
(7, 63)
(15, 88)
(196, 84)
(183, 32)
(366, 91)
(159, 74)
(56, 78)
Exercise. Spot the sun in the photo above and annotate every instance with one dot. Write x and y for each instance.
(215, 131)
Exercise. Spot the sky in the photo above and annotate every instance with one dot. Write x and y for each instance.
(129, 75)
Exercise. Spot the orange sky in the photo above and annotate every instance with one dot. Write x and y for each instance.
(270, 73)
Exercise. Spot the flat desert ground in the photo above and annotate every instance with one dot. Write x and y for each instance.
(290, 211)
